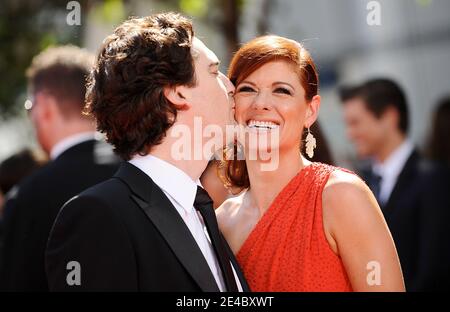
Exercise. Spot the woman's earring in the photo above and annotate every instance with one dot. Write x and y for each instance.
(310, 144)
(239, 151)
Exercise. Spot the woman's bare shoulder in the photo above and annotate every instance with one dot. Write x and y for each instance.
(343, 183)
(347, 196)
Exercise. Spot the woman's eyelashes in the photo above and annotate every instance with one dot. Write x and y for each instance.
(283, 91)
(246, 89)
(278, 90)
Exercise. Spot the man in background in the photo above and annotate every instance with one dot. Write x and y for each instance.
(13, 170)
(376, 115)
(78, 160)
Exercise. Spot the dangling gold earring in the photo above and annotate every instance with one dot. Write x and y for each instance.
(239, 151)
(310, 144)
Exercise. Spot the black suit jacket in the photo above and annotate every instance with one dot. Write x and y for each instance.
(414, 212)
(433, 261)
(30, 214)
(127, 236)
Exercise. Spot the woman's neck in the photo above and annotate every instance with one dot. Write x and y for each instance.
(266, 185)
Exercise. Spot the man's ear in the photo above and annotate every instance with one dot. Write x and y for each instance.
(47, 108)
(312, 112)
(177, 95)
(391, 117)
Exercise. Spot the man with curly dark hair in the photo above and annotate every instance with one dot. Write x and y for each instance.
(151, 227)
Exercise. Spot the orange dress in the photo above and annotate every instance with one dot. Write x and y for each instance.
(287, 250)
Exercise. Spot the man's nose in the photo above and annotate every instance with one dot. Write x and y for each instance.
(228, 85)
(351, 132)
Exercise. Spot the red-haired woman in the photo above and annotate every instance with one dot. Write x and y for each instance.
(304, 226)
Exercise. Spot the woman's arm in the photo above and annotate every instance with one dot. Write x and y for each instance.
(356, 230)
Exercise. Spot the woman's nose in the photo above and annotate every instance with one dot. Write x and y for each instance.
(261, 101)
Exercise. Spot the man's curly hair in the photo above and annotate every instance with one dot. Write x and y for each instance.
(125, 90)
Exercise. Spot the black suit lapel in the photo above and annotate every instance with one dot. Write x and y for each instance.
(158, 208)
(402, 185)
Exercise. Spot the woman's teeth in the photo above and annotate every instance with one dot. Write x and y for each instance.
(254, 124)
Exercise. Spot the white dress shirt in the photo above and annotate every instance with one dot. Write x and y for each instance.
(71, 141)
(390, 169)
(181, 190)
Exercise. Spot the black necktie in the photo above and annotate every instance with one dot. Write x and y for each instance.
(375, 185)
(204, 205)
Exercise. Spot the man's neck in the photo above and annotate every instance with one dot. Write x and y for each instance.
(70, 130)
(193, 168)
(70, 141)
(389, 146)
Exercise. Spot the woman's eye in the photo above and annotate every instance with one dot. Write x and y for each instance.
(245, 89)
(283, 91)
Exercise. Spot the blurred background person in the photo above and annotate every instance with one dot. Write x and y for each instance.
(14, 169)
(78, 160)
(376, 117)
(434, 241)
(439, 142)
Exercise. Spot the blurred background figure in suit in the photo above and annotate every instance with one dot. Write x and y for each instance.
(434, 242)
(376, 117)
(13, 170)
(439, 147)
(56, 80)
